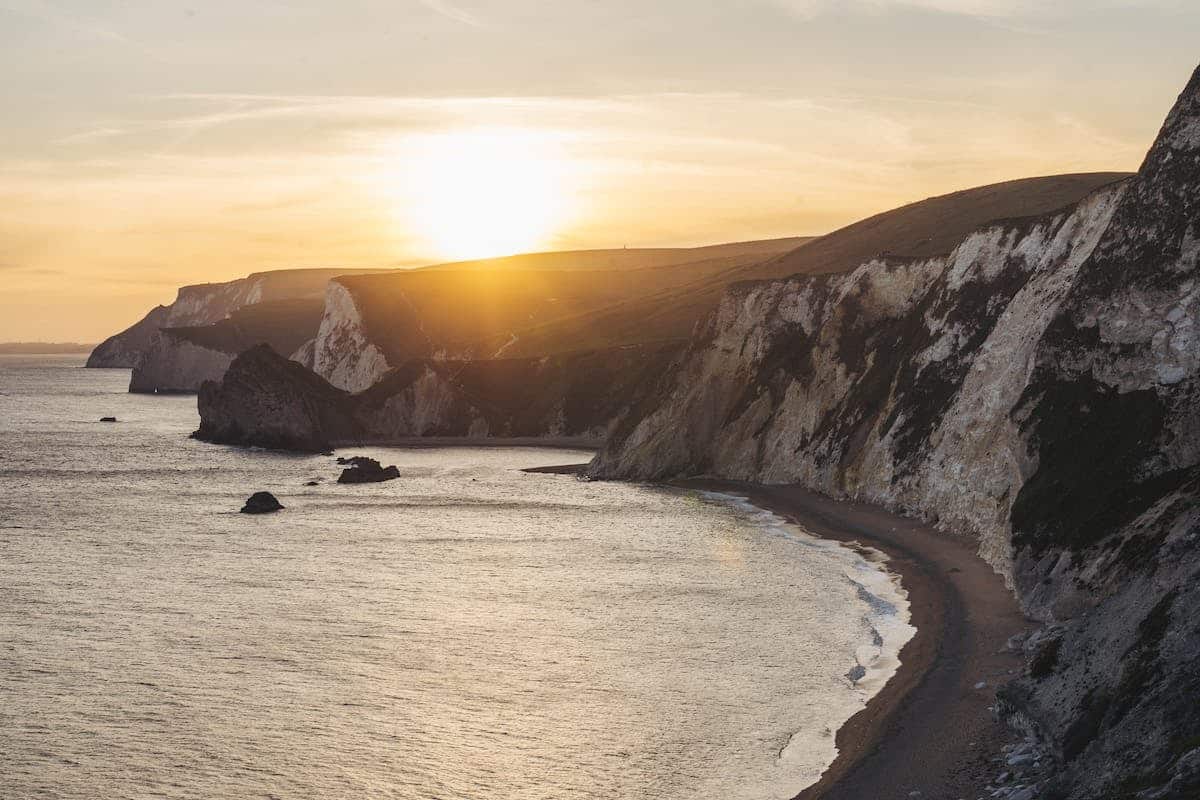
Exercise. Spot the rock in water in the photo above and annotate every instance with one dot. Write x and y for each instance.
(261, 503)
(268, 401)
(357, 461)
(108, 419)
(366, 470)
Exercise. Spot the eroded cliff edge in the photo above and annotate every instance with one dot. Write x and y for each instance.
(1037, 389)
(177, 347)
(267, 400)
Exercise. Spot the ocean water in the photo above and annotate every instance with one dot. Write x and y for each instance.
(466, 631)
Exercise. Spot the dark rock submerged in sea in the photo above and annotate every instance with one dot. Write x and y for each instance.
(261, 503)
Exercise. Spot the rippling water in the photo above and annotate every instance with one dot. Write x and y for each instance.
(466, 631)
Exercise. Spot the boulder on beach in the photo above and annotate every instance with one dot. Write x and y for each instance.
(366, 470)
(108, 419)
(261, 503)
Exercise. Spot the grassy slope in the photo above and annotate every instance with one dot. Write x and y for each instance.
(626, 258)
(929, 227)
(474, 311)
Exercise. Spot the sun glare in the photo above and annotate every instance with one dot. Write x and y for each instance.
(483, 192)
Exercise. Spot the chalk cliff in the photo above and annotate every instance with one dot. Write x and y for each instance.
(267, 400)
(181, 359)
(175, 362)
(1037, 389)
(375, 322)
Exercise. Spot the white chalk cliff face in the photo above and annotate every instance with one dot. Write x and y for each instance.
(1039, 390)
(890, 384)
(342, 352)
(194, 305)
(200, 306)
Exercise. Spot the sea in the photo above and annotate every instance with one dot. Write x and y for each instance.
(469, 630)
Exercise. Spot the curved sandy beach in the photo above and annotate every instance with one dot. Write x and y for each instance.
(929, 730)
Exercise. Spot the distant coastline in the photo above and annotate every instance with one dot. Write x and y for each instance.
(43, 348)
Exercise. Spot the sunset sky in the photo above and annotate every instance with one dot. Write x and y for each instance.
(146, 145)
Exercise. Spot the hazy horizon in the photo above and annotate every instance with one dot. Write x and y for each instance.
(159, 145)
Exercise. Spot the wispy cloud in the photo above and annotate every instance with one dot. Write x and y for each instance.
(51, 14)
(453, 12)
(211, 110)
(91, 135)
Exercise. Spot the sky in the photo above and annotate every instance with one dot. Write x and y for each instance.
(149, 144)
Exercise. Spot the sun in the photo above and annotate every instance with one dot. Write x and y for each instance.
(483, 192)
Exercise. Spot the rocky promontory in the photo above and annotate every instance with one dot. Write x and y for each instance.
(208, 303)
(267, 400)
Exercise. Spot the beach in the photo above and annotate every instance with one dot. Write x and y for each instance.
(930, 729)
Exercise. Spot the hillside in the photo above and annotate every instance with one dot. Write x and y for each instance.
(374, 322)
(925, 228)
(628, 258)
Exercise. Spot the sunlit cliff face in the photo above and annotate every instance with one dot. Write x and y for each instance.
(481, 192)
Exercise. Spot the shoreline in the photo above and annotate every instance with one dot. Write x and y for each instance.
(928, 729)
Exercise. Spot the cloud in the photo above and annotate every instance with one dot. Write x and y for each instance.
(91, 135)
(453, 12)
(50, 14)
(10, 267)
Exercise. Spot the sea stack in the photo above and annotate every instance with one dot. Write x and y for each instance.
(366, 470)
(261, 503)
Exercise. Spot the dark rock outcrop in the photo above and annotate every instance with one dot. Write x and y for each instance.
(1038, 389)
(261, 503)
(366, 470)
(269, 401)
